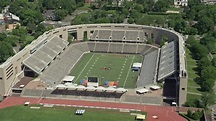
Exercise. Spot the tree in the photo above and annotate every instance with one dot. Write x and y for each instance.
(60, 14)
(204, 25)
(204, 62)
(6, 50)
(189, 113)
(214, 62)
(196, 115)
(209, 41)
(130, 20)
(85, 38)
(208, 73)
(138, 8)
(208, 99)
(207, 85)
(150, 41)
(199, 51)
(162, 5)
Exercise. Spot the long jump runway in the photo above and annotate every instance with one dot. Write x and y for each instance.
(164, 113)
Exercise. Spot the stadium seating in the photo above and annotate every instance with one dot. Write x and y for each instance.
(82, 46)
(148, 70)
(115, 48)
(168, 58)
(131, 35)
(118, 35)
(91, 46)
(142, 37)
(130, 48)
(101, 47)
(94, 35)
(104, 34)
(67, 60)
(63, 64)
(39, 60)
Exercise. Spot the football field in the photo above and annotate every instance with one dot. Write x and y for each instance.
(107, 67)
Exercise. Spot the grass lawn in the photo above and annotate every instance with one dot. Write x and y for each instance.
(191, 82)
(24, 113)
(192, 75)
(191, 62)
(85, 7)
(194, 89)
(191, 97)
(107, 67)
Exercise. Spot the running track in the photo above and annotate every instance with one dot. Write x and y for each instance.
(163, 113)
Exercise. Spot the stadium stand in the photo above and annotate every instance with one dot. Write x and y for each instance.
(130, 48)
(82, 46)
(91, 46)
(168, 58)
(95, 34)
(131, 35)
(44, 57)
(101, 47)
(40, 59)
(55, 73)
(115, 47)
(141, 36)
(104, 34)
(118, 35)
(142, 99)
(148, 70)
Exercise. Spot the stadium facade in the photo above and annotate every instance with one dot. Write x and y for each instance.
(37, 57)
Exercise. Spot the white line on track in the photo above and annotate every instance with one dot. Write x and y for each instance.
(84, 68)
(128, 72)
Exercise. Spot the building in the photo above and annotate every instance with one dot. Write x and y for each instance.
(180, 2)
(36, 59)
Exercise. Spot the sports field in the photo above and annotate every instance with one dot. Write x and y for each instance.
(25, 113)
(107, 67)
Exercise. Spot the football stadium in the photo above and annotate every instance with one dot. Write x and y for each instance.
(104, 62)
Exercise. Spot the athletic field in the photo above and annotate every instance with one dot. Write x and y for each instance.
(25, 113)
(107, 67)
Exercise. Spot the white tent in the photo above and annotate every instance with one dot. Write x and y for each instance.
(68, 79)
(80, 87)
(142, 91)
(100, 89)
(154, 87)
(60, 86)
(90, 88)
(137, 65)
(121, 90)
(110, 89)
(71, 87)
(66, 84)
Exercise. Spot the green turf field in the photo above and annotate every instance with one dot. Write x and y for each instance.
(107, 67)
(25, 113)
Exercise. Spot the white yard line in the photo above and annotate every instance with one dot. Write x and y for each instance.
(128, 72)
(84, 68)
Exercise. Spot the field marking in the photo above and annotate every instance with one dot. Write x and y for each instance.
(128, 72)
(84, 68)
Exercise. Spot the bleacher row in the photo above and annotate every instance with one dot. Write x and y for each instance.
(62, 66)
(118, 47)
(167, 65)
(40, 59)
(67, 60)
(119, 35)
(148, 70)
